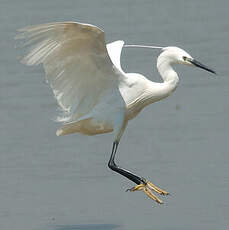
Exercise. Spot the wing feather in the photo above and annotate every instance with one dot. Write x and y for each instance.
(114, 50)
(76, 62)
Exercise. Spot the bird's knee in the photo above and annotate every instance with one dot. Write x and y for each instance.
(112, 165)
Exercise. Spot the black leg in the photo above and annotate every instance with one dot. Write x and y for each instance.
(111, 164)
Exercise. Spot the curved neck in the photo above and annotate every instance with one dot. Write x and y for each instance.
(170, 78)
(168, 74)
(159, 91)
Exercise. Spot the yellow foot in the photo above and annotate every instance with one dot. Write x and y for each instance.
(146, 188)
(156, 189)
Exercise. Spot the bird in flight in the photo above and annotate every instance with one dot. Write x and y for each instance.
(94, 93)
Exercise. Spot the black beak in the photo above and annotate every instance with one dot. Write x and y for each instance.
(200, 65)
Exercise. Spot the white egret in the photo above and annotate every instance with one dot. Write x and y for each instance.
(91, 88)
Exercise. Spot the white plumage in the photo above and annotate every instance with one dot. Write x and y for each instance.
(87, 80)
(90, 86)
(79, 71)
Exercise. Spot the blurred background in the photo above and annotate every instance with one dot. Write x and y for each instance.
(180, 144)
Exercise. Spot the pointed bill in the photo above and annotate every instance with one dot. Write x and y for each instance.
(200, 65)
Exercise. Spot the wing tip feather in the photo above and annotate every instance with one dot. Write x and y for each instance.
(59, 132)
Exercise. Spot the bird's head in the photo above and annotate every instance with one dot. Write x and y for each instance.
(175, 55)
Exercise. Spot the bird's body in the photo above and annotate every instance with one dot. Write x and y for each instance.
(136, 92)
(91, 88)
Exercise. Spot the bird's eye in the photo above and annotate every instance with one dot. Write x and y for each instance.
(184, 58)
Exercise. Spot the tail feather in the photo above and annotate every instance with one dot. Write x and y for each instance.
(69, 129)
(87, 126)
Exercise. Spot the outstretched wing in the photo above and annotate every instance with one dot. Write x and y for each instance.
(76, 62)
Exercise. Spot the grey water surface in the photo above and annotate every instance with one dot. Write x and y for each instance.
(180, 144)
